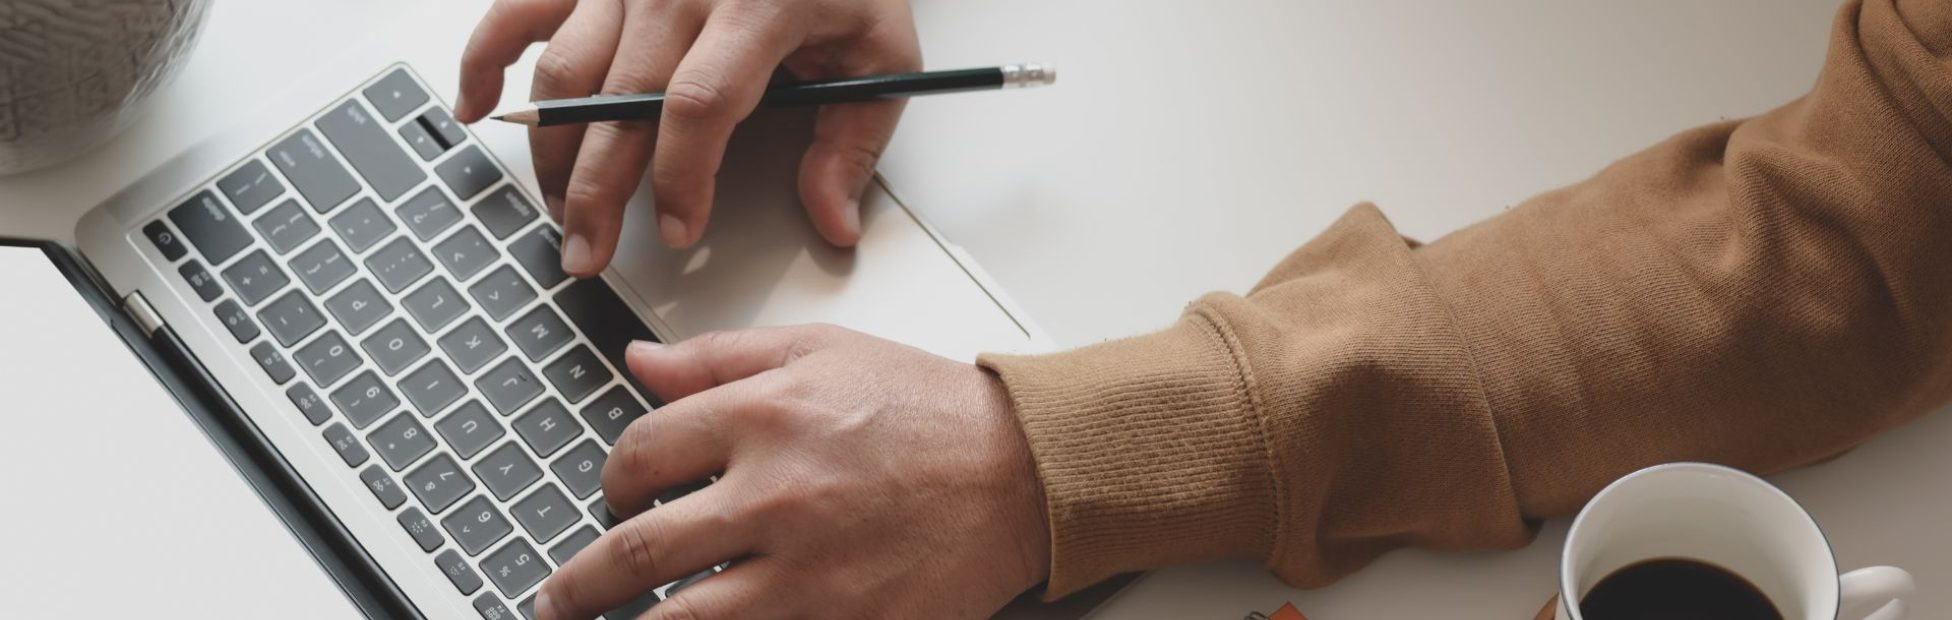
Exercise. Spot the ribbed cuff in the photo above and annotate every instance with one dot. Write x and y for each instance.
(1150, 452)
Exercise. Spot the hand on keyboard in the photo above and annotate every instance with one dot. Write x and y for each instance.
(714, 59)
(860, 479)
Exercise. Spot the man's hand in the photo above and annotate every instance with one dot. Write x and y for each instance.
(713, 58)
(857, 478)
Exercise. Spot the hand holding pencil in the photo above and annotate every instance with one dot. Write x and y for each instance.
(713, 61)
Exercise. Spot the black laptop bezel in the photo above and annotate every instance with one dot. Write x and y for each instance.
(249, 452)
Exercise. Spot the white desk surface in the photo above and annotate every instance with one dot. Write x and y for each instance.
(1190, 145)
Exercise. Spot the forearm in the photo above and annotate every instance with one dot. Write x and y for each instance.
(1764, 294)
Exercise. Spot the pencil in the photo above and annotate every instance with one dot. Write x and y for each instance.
(650, 105)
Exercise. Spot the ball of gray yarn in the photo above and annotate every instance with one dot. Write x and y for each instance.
(74, 73)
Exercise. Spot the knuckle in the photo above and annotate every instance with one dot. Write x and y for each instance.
(694, 99)
(583, 192)
(634, 77)
(554, 72)
(676, 608)
(635, 552)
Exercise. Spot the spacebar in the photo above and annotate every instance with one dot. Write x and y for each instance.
(606, 321)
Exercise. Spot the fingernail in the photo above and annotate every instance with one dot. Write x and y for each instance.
(546, 608)
(640, 348)
(576, 254)
(851, 215)
(673, 231)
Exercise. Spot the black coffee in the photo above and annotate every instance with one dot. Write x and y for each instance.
(1676, 589)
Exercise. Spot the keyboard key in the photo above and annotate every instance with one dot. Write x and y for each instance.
(205, 285)
(364, 399)
(527, 608)
(439, 483)
(505, 211)
(237, 320)
(576, 374)
(458, 572)
(428, 213)
(469, 429)
(476, 525)
(473, 345)
(308, 403)
(515, 567)
(443, 126)
(422, 142)
(612, 412)
(678, 492)
(401, 441)
(491, 608)
(547, 427)
(384, 488)
(286, 226)
(322, 266)
(250, 186)
(395, 95)
(507, 470)
(395, 347)
(165, 240)
(362, 225)
(432, 387)
(467, 172)
(291, 318)
(540, 253)
(466, 253)
(319, 176)
(210, 226)
(508, 385)
(327, 359)
(255, 277)
(370, 150)
(636, 607)
(273, 362)
(581, 468)
(539, 333)
(359, 306)
(399, 264)
(421, 529)
(434, 305)
(610, 325)
(348, 446)
(545, 513)
(573, 544)
(502, 292)
(601, 512)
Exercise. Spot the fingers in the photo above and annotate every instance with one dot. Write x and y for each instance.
(847, 141)
(703, 362)
(647, 551)
(613, 156)
(681, 443)
(717, 84)
(574, 65)
(745, 591)
(504, 32)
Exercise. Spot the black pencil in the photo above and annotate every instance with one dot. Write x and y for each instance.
(650, 105)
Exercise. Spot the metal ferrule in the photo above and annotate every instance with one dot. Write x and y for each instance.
(1028, 75)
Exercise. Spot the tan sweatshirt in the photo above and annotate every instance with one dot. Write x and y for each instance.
(1765, 293)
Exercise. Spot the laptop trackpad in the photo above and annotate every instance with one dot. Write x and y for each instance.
(116, 503)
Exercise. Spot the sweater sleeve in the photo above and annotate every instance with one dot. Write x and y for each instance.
(1765, 293)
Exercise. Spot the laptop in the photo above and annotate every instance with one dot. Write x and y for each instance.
(331, 359)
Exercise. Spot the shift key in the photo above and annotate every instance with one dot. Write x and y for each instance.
(371, 150)
(211, 227)
(313, 170)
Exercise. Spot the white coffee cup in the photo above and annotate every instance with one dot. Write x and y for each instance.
(1730, 519)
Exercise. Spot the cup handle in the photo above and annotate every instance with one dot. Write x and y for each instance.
(1873, 593)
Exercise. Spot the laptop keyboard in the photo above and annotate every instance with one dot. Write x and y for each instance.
(421, 322)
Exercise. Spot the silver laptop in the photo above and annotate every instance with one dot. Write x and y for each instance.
(361, 310)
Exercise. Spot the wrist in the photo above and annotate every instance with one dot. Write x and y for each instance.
(1027, 515)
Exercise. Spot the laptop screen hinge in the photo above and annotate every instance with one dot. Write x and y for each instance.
(142, 313)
